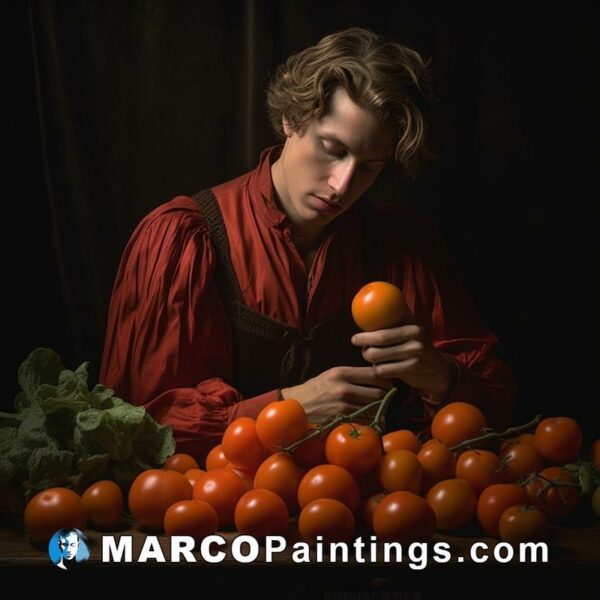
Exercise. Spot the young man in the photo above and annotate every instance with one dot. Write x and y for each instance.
(240, 295)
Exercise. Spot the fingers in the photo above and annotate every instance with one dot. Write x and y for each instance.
(362, 375)
(405, 351)
(388, 337)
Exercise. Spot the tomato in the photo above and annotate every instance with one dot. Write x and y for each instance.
(51, 510)
(216, 458)
(281, 424)
(404, 517)
(281, 475)
(369, 484)
(457, 422)
(329, 481)
(103, 502)
(437, 461)
(246, 475)
(241, 444)
(355, 447)
(378, 305)
(494, 500)
(195, 518)
(311, 453)
(559, 439)
(523, 438)
(368, 509)
(326, 517)
(180, 463)
(480, 468)
(151, 494)
(557, 499)
(403, 439)
(401, 470)
(596, 453)
(221, 488)
(523, 523)
(192, 475)
(453, 502)
(519, 460)
(260, 513)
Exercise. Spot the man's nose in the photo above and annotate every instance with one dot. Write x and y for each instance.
(341, 177)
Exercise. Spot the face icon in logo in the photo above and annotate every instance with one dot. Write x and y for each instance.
(68, 548)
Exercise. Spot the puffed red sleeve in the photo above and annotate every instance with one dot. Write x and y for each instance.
(440, 302)
(167, 344)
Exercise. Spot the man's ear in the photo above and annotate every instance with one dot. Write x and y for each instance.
(287, 128)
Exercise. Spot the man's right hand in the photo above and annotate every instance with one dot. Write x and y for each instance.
(338, 390)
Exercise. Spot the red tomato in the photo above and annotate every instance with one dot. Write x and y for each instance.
(554, 492)
(241, 445)
(457, 422)
(355, 447)
(368, 509)
(437, 461)
(523, 523)
(369, 484)
(494, 500)
(180, 463)
(221, 488)
(523, 438)
(195, 518)
(519, 460)
(403, 439)
(281, 424)
(103, 502)
(51, 510)
(453, 502)
(246, 475)
(559, 439)
(329, 481)
(311, 453)
(326, 517)
(192, 475)
(216, 458)
(151, 494)
(260, 513)
(378, 305)
(401, 470)
(281, 475)
(404, 517)
(480, 469)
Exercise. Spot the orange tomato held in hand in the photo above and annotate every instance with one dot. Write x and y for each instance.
(378, 305)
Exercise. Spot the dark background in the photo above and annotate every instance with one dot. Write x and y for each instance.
(115, 107)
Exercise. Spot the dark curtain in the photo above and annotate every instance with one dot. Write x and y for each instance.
(117, 106)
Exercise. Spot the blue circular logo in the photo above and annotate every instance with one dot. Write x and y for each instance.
(68, 548)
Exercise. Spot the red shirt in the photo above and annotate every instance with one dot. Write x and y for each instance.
(167, 342)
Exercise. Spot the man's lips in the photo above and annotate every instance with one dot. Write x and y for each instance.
(328, 201)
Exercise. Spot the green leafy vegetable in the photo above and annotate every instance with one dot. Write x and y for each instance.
(64, 433)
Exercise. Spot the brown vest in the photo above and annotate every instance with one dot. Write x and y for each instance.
(269, 354)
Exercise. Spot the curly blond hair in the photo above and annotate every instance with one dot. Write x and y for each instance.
(385, 77)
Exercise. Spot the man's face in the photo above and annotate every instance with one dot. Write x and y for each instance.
(69, 545)
(324, 171)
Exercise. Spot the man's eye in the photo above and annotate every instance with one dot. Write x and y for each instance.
(331, 151)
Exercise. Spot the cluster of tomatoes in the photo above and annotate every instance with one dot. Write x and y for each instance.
(339, 479)
(342, 480)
